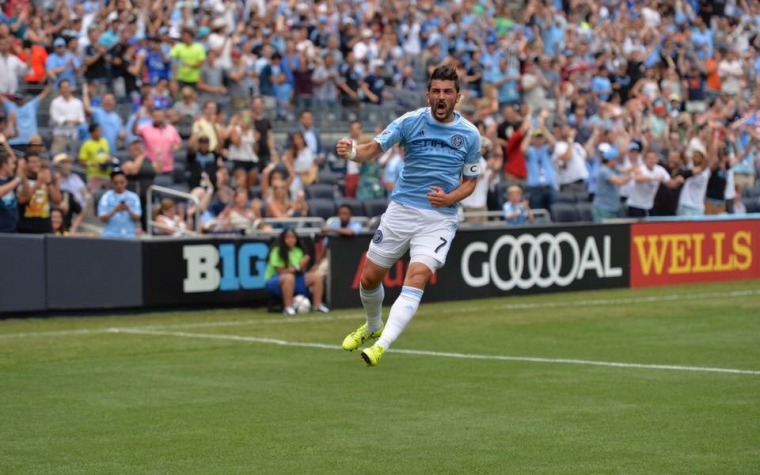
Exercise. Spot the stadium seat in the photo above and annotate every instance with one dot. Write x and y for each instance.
(582, 196)
(375, 207)
(321, 191)
(752, 204)
(164, 180)
(321, 208)
(566, 197)
(179, 174)
(565, 213)
(357, 206)
(328, 177)
(751, 192)
(584, 211)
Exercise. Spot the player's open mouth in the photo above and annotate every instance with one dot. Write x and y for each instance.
(440, 107)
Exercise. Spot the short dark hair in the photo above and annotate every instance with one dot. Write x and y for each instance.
(347, 206)
(116, 172)
(444, 73)
(93, 127)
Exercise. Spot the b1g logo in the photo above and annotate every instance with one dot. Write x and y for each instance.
(236, 272)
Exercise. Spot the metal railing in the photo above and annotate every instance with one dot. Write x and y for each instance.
(496, 218)
(162, 190)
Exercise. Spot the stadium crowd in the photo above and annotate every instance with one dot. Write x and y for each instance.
(587, 109)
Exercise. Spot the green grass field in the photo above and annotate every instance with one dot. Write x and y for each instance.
(240, 391)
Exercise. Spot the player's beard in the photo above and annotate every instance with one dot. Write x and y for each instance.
(442, 110)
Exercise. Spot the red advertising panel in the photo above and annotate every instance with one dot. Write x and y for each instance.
(695, 251)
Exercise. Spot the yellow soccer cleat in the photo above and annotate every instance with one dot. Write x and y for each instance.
(372, 355)
(356, 338)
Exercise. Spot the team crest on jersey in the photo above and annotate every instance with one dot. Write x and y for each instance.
(457, 141)
(378, 237)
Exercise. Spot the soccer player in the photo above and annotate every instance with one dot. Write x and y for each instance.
(442, 152)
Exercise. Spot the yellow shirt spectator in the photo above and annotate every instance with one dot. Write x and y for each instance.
(190, 57)
(93, 154)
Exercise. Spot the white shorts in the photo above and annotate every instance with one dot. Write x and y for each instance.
(426, 234)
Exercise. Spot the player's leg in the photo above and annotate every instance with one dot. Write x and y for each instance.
(389, 243)
(405, 306)
(428, 250)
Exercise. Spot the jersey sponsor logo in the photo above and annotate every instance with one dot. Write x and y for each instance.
(421, 133)
(457, 141)
(542, 261)
(378, 237)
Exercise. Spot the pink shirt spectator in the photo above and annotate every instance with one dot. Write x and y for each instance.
(160, 143)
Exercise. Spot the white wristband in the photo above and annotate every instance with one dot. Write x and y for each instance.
(352, 153)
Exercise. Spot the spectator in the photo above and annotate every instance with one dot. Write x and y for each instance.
(344, 225)
(475, 205)
(185, 111)
(666, 199)
(35, 55)
(279, 205)
(287, 273)
(119, 208)
(516, 210)
(24, 116)
(211, 82)
(372, 85)
(62, 65)
(66, 115)
(647, 179)
(325, 77)
(58, 223)
(240, 215)
(189, 56)
(569, 159)
(243, 138)
(349, 82)
(158, 65)
(140, 173)
(11, 182)
(265, 144)
(38, 199)
(202, 159)
(95, 155)
(111, 124)
(311, 136)
(303, 163)
(168, 222)
(161, 140)
(11, 67)
(392, 168)
(207, 126)
(238, 87)
(36, 146)
(691, 201)
(74, 195)
(541, 180)
(606, 204)
(352, 168)
(512, 131)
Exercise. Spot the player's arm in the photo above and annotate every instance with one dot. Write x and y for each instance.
(360, 153)
(440, 199)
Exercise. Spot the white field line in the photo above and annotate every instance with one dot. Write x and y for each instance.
(439, 354)
(423, 311)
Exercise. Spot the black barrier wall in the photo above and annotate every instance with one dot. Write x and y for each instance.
(93, 273)
(492, 263)
(22, 274)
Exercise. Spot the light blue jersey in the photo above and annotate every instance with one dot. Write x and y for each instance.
(435, 154)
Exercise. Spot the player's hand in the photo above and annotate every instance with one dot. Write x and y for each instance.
(344, 147)
(438, 198)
